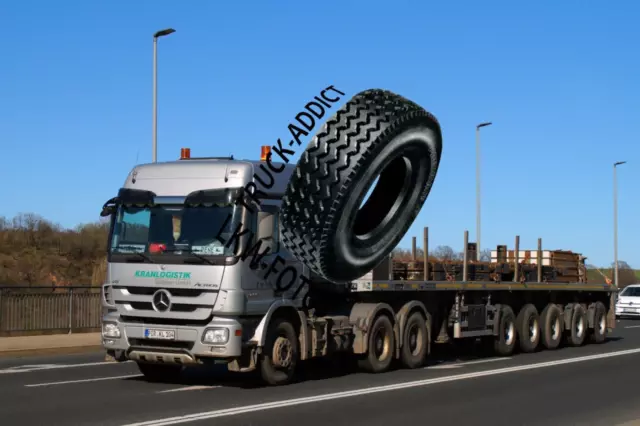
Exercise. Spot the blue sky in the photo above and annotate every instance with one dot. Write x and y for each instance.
(557, 79)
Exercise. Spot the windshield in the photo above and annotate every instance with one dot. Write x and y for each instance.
(630, 292)
(176, 230)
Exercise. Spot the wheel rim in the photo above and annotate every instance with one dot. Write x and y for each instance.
(415, 339)
(533, 329)
(381, 344)
(602, 325)
(580, 327)
(555, 329)
(282, 352)
(509, 333)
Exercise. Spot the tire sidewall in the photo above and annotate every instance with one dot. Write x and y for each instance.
(381, 157)
(376, 364)
(268, 371)
(578, 313)
(409, 359)
(550, 315)
(526, 345)
(600, 312)
(501, 346)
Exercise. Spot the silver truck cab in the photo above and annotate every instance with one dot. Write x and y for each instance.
(182, 287)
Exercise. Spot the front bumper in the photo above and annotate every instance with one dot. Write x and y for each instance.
(626, 311)
(187, 346)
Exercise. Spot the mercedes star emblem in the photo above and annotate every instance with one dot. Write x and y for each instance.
(161, 301)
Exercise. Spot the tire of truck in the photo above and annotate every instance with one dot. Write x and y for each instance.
(578, 331)
(599, 333)
(375, 135)
(415, 341)
(528, 328)
(551, 326)
(160, 372)
(280, 354)
(505, 341)
(381, 346)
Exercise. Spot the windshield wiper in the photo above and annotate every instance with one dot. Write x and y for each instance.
(192, 253)
(130, 257)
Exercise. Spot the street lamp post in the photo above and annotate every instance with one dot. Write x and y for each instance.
(157, 35)
(478, 233)
(615, 220)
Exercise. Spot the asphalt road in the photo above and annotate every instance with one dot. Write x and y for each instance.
(592, 385)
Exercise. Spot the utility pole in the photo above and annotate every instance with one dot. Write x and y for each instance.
(478, 232)
(154, 152)
(615, 221)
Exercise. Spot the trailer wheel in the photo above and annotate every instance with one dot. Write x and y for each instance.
(375, 135)
(280, 353)
(415, 341)
(551, 326)
(528, 326)
(578, 332)
(599, 333)
(160, 372)
(381, 346)
(505, 342)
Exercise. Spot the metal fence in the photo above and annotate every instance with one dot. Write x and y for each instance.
(33, 310)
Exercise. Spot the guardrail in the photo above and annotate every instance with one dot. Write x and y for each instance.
(49, 310)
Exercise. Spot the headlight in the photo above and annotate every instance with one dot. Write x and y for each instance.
(110, 330)
(215, 335)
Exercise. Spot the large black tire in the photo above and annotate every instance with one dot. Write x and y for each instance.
(599, 332)
(551, 326)
(505, 341)
(376, 134)
(577, 333)
(160, 372)
(415, 341)
(381, 346)
(282, 341)
(528, 326)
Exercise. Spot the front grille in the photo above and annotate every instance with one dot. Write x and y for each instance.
(186, 303)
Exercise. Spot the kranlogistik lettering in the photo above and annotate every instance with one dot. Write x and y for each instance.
(250, 195)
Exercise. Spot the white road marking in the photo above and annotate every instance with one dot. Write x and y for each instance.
(97, 379)
(40, 367)
(462, 364)
(632, 326)
(188, 388)
(371, 390)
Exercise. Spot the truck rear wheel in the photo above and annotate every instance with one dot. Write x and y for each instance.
(160, 372)
(505, 342)
(599, 333)
(280, 353)
(415, 341)
(578, 331)
(375, 135)
(551, 326)
(528, 327)
(381, 346)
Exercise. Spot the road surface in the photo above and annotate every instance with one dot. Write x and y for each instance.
(593, 385)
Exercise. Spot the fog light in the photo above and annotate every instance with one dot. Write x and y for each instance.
(110, 330)
(216, 335)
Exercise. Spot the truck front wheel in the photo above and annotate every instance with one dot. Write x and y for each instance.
(280, 354)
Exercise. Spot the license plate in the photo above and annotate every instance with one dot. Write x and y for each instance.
(151, 333)
(630, 310)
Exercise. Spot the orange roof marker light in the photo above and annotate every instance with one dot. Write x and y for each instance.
(264, 152)
(185, 153)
